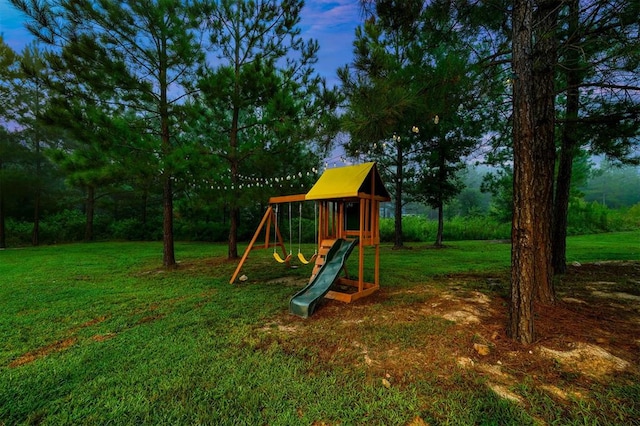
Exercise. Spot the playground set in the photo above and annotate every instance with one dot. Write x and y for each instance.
(348, 216)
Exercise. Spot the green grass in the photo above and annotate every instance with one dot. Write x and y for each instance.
(113, 338)
(603, 247)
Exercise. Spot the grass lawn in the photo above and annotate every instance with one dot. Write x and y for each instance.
(99, 333)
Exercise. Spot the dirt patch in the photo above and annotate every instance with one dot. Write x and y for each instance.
(58, 346)
(587, 359)
(149, 318)
(585, 337)
(103, 337)
(73, 336)
(616, 295)
(276, 327)
(198, 266)
(289, 280)
(503, 392)
(94, 321)
(466, 308)
(29, 357)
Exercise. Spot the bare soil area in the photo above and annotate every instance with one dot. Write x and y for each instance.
(592, 333)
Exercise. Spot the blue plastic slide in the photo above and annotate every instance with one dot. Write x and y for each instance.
(304, 302)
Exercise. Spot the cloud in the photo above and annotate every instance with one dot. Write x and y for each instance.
(332, 23)
(330, 16)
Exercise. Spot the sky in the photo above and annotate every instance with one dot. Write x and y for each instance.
(331, 22)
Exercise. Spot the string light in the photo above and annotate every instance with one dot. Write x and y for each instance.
(286, 181)
(247, 182)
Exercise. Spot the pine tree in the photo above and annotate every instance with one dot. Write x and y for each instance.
(534, 46)
(413, 85)
(382, 101)
(263, 100)
(137, 53)
(8, 72)
(31, 96)
(598, 80)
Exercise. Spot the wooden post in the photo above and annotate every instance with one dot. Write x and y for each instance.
(265, 218)
(267, 231)
(361, 246)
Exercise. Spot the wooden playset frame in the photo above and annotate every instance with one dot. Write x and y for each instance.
(345, 196)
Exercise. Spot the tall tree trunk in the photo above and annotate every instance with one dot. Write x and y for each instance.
(563, 193)
(234, 209)
(521, 323)
(398, 241)
(168, 255)
(35, 233)
(90, 209)
(440, 225)
(234, 156)
(544, 60)
(168, 252)
(145, 202)
(3, 235)
(233, 233)
(534, 161)
(442, 178)
(234, 215)
(569, 143)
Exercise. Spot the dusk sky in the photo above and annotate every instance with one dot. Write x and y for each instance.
(331, 22)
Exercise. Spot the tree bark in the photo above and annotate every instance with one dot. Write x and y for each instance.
(569, 144)
(3, 235)
(233, 233)
(398, 241)
(168, 255)
(35, 233)
(234, 209)
(234, 155)
(534, 162)
(440, 225)
(521, 322)
(442, 178)
(544, 60)
(90, 209)
(561, 205)
(143, 213)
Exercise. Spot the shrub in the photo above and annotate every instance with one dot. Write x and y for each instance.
(135, 230)
(18, 233)
(589, 217)
(63, 227)
(417, 229)
(387, 230)
(420, 229)
(476, 228)
(631, 217)
(201, 230)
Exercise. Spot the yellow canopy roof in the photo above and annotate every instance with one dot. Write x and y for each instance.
(348, 182)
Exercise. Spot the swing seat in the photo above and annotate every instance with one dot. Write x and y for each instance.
(302, 259)
(279, 259)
